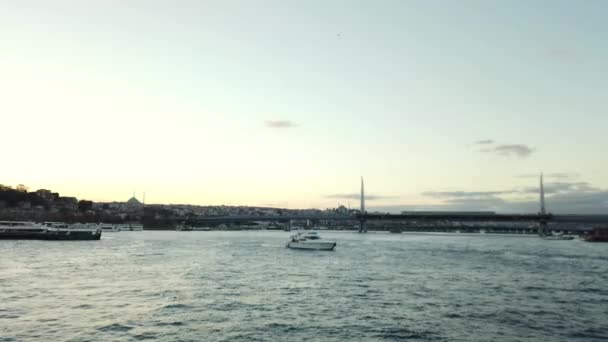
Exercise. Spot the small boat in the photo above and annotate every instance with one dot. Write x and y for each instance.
(183, 228)
(310, 240)
(136, 227)
(130, 227)
(557, 237)
(109, 227)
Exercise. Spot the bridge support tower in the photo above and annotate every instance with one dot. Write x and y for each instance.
(362, 227)
(543, 227)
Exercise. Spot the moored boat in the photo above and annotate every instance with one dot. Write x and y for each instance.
(130, 227)
(136, 227)
(109, 227)
(557, 237)
(77, 231)
(20, 230)
(48, 231)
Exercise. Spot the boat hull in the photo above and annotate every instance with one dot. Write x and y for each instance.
(596, 239)
(557, 238)
(313, 245)
(63, 235)
(46, 235)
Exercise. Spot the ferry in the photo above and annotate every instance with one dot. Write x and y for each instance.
(48, 231)
(20, 230)
(64, 231)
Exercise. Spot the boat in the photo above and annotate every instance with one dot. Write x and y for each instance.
(130, 227)
(557, 237)
(76, 231)
(310, 240)
(20, 230)
(136, 227)
(48, 231)
(598, 234)
(109, 227)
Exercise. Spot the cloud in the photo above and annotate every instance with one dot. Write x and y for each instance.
(555, 175)
(465, 194)
(562, 187)
(356, 196)
(561, 197)
(280, 124)
(508, 150)
(564, 55)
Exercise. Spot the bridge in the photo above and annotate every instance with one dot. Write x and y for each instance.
(541, 219)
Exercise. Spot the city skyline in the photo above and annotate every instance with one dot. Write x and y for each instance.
(287, 104)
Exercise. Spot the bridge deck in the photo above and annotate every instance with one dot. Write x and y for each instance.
(467, 217)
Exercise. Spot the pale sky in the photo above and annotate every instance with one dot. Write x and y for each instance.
(438, 104)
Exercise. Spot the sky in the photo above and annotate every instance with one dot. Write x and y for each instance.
(447, 105)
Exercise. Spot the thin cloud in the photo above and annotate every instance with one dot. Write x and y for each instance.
(508, 150)
(561, 197)
(563, 55)
(465, 194)
(505, 150)
(356, 196)
(280, 124)
(555, 175)
(563, 187)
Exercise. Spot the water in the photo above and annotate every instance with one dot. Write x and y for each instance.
(246, 286)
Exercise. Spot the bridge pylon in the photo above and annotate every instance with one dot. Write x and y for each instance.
(362, 227)
(543, 227)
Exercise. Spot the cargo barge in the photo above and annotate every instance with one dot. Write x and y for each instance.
(17, 230)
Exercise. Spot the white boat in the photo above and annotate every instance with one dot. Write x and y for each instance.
(73, 231)
(136, 227)
(109, 227)
(131, 227)
(557, 237)
(310, 240)
(123, 227)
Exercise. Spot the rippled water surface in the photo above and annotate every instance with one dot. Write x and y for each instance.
(246, 286)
